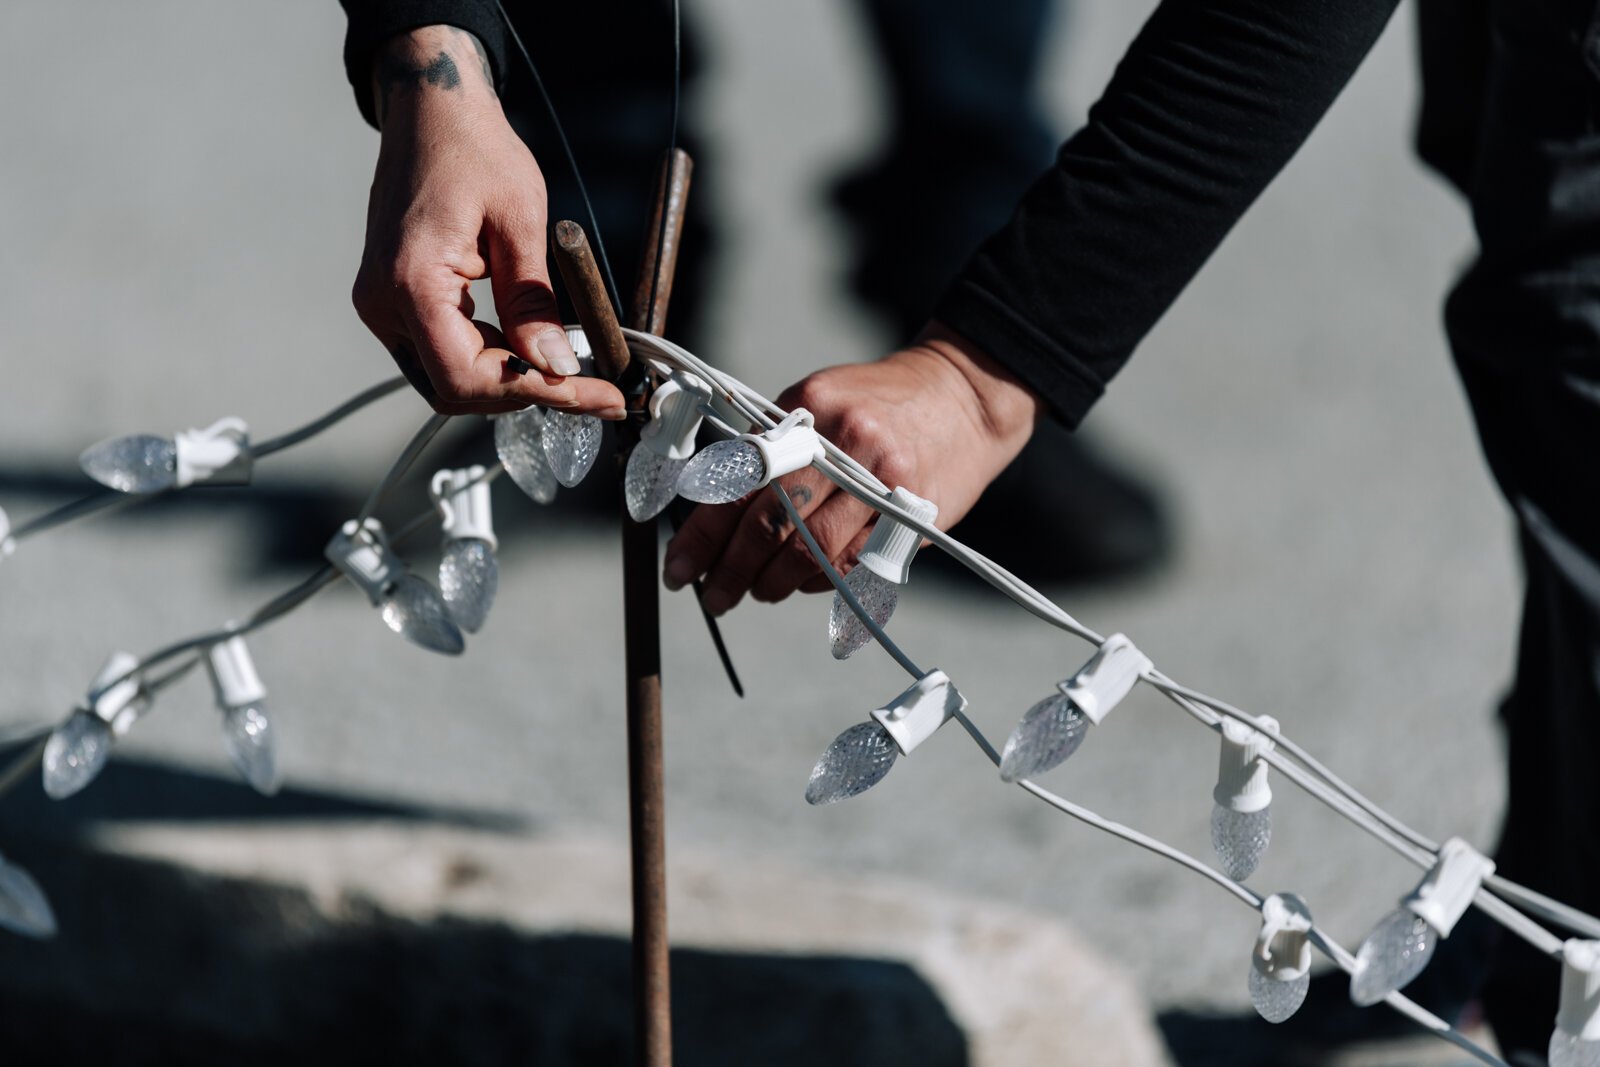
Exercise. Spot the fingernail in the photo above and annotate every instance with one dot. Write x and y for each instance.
(614, 414)
(716, 601)
(558, 353)
(679, 572)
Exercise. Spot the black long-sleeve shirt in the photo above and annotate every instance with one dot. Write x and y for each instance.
(1210, 102)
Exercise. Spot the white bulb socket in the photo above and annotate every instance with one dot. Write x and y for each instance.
(233, 674)
(217, 455)
(362, 554)
(114, 696)
(790, 446)
(916, 714)
(1283, 946)
(1110, 675)
(675, 416)
(892, 544)
(1579, 1014)
(7, 544)
(1241, 772)
(462, 497)
(1446, 891)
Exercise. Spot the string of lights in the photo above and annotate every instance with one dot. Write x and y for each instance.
(539, 452)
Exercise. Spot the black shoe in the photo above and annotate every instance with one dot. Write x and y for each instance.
(1062, 514)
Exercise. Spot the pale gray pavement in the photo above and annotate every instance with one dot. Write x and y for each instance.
(182, 190)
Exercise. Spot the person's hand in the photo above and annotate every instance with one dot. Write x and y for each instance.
(456, 197)
(939, 418)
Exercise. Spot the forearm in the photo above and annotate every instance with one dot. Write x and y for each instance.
(375, 25)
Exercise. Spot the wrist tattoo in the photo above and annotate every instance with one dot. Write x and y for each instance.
(394, 74)
(483, 55)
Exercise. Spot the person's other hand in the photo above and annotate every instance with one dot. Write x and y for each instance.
(457, 196)
(939, 418)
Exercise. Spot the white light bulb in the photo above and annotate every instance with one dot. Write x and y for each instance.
(468, 578)
(723, 472)
(413, 609)
(847, 634)
(650, 482)
(138, 463)
(248, 736)
(1051, 731)
(24, 909)
(78, 750)
(1240, 839)
(855, 762)
(1276, 999)
(519, 442)
(1396, 951)
(571, 443)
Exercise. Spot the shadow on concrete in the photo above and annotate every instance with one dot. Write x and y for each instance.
(159, 965)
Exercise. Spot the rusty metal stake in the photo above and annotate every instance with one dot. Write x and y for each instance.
(652, 985)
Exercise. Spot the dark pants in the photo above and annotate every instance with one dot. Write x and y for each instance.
(1511, 116)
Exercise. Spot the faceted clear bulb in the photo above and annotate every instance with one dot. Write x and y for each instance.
(415, 611)
(247, 734)
(1051, 731)
(468, 578)
(24, 909)
(138, 463)
(1570, 1050)
(571, 442)
(1396, 951)
(847, 635)
(76, 752)
(1240, 839)
(650, 483)
(1275, 999)
(519, 442)
(855, 762)
(723, 472)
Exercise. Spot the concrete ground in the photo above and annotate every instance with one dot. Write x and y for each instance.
(183, 194)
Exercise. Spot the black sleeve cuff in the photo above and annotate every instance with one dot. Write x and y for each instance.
(374, 21)
(1059, 379)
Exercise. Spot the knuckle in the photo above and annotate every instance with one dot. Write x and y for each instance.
(812, 393)
(858, 426)
(894, 466)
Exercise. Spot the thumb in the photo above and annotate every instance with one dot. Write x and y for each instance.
(523, 298)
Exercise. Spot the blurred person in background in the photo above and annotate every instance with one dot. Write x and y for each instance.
(962, 81)
(1210, 102)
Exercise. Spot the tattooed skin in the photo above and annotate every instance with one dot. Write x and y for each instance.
(397, 75)
(483, 56)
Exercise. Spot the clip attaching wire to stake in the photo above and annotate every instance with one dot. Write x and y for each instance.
(1446, 891)
(892, 543)
(462, 498)
(362, 554)
(1579, 1014)
(1241, 772)
(1283, 946)
(217, 455)
(233, 674)
(675, 415)
(916, 714)
(1109, 676)
(115, 694)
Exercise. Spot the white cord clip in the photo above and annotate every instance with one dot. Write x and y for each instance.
(118, 702)
(362, 554)
(791, 445)
(1109, 676)
(914, 716)
(892, 543)
(217, 455)
(462, 497)
(233, 674)
(1446, 891)
(675, 415)
(1241, 772)
(1579, 1014)
(1283, 947)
